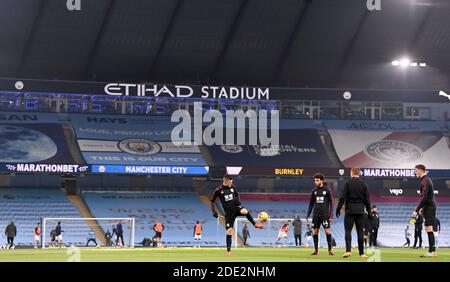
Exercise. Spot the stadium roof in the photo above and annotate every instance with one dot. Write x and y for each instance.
(302, 43)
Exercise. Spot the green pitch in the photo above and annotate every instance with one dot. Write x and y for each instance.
(212, 255)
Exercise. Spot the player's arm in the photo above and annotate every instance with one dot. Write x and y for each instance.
(367, 199)
(311, 204)
(213, 198)
(423, 189)
(330, 198)
(341, 200)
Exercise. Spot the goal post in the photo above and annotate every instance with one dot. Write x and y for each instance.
(78, 231)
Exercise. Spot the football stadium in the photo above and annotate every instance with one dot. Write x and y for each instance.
(224, 131)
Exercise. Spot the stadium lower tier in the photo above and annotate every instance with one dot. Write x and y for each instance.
(179, 212)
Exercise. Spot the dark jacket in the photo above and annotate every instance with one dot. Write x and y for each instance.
(297, 223)
(245, 233)
(418, 224)
(374, 220)
(11, 230)
(355, 196)
(119, 230)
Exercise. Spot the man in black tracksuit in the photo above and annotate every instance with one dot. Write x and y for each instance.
(322, 202)
(231, 204)
(355, 196)
(418, 226)
(374, 225)
(427, 204)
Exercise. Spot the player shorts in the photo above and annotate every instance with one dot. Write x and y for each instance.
(282, 235)
(230, 217)
(197, 236)
(158, 235)
(59, 238)
(429, 215)
(37, 238)
(318, 221)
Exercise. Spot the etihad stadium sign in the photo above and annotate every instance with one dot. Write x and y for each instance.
(184, 91)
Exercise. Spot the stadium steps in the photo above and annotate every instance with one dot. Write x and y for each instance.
(328, 145)
(73, 145)
(85, 212)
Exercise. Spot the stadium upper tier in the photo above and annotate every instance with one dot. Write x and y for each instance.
(50, 138)
(317, 104)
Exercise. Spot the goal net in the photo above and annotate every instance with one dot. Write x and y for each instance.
(269, 235)
(83, 232)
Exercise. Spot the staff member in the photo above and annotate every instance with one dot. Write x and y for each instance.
(418, 226)
(158, 228)
(198, 230)
(355, 196)
(374, 225)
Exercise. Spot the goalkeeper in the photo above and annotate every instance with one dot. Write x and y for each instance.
(231, 204)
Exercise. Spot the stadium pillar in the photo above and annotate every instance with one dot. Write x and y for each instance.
(69, 184)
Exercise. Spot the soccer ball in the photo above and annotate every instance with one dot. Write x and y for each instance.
(263, 216)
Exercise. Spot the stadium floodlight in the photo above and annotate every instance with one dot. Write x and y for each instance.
(414, 64)
(395, 63)
(405, 62)
(423, 64)
(75, 231)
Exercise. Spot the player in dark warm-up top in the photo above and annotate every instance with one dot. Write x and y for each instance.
(322, 202)
(231, 204)
(427, 204)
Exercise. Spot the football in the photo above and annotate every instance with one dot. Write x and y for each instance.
(263, 216)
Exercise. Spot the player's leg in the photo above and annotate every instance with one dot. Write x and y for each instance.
(429, 215)
(416, 236)
(246, 213)
(359, 224)
(229, 238)
(316, 228)
(375, 237)
(230, 217)
(349, 221)
(420, 238)
(327, 227)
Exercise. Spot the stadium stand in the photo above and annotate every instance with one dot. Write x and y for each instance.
(177, 211)
(27, 206)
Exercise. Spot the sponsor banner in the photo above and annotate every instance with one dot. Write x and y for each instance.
(286, 172)
(380, 125)
(134, 169)
(402, 173)
(404, 192)
(21, 118)
(157, 159)
(44, 168)
(380, 149)
(132, 140)
(122, 127)
(135, 146)
(298, 148)
(33, 143)
(115, 89)
(405, 199)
